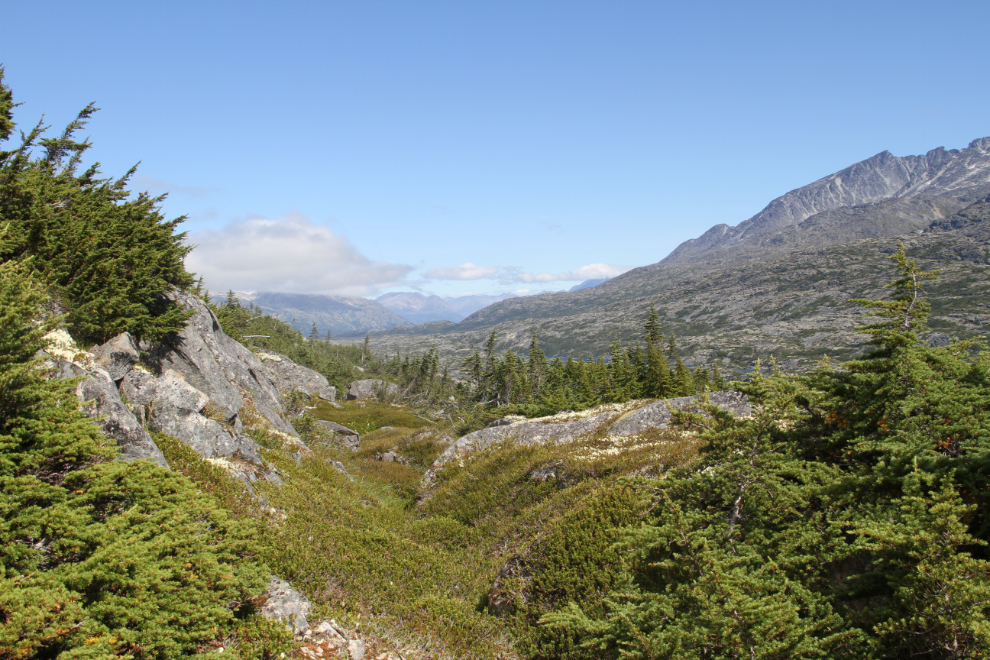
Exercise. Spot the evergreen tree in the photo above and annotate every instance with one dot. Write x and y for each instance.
(537, 368)
(702, 381)
(718, 381)
(653, 332)
(108, 260)
(683, 380)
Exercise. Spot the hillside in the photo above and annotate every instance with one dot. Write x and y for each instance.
(794, 305)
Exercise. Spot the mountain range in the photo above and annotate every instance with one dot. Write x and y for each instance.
(778, 283)
(350, 316)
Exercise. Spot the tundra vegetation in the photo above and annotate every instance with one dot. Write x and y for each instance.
(847, 517)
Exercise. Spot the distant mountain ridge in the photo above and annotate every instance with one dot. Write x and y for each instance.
(338, 314)
(587, 284)
(469, 304)
(953, 177)
(779, 283)
(417, 308)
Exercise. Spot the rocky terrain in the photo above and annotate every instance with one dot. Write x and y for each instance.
(198, 386)
(795, 308)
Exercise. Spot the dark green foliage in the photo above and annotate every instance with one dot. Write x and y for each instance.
(575, 561)
(845, 518)
(534, 386)
(98, 557)
(107, 259)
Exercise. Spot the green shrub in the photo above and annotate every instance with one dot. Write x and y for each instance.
(99, 557)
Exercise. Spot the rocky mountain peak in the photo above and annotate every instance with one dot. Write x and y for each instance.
(944, 173)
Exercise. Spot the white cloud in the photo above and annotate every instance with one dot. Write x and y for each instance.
(466, 271)
(510, 274)
(290, 255)
(589, 272)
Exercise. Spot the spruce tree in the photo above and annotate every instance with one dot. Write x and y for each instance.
(108, 259)
(537, 367)
(718, 381)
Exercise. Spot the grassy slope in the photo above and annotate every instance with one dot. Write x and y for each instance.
(416, 576)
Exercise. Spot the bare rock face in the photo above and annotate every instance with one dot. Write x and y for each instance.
(117, 356)
(139, 387)
(102, 402)
(177, 411)
(292, 377)
(218, 366)
(283, 603)
(369, 388)
(658, 415)
(626, 419)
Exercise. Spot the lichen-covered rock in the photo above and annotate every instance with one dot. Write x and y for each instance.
(554, 430)
(349, 437)
(370, 388)
(285, 604)
(117, 356)
(177, 411)
(139, 388)
(174, 390)
(658, 415)
(218, 366)
(624, 419)
(102, 402)
(208, 437)
(293, 377)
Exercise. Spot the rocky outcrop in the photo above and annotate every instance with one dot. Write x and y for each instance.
(370, 388)
(349, 437)
(204, 380)
(283, 603)
(625, 419)
(218, 366)
(292, 377)
(117, 356)
(657, 415)
(102, 402)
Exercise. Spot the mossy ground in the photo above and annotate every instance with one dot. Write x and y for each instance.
(413, 570)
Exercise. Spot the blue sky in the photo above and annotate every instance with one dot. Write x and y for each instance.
(483, 147)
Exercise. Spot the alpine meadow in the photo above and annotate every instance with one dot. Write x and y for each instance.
(675, 463)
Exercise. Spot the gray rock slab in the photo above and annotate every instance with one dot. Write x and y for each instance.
(285, 604)
(523, 433)
(292, 377)
(173, 390)
(102, 402)
(368, 388)
(217, 365)
(350, 437)
(117, 356)
(139, 388)
(208, 437)
(658, 415)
